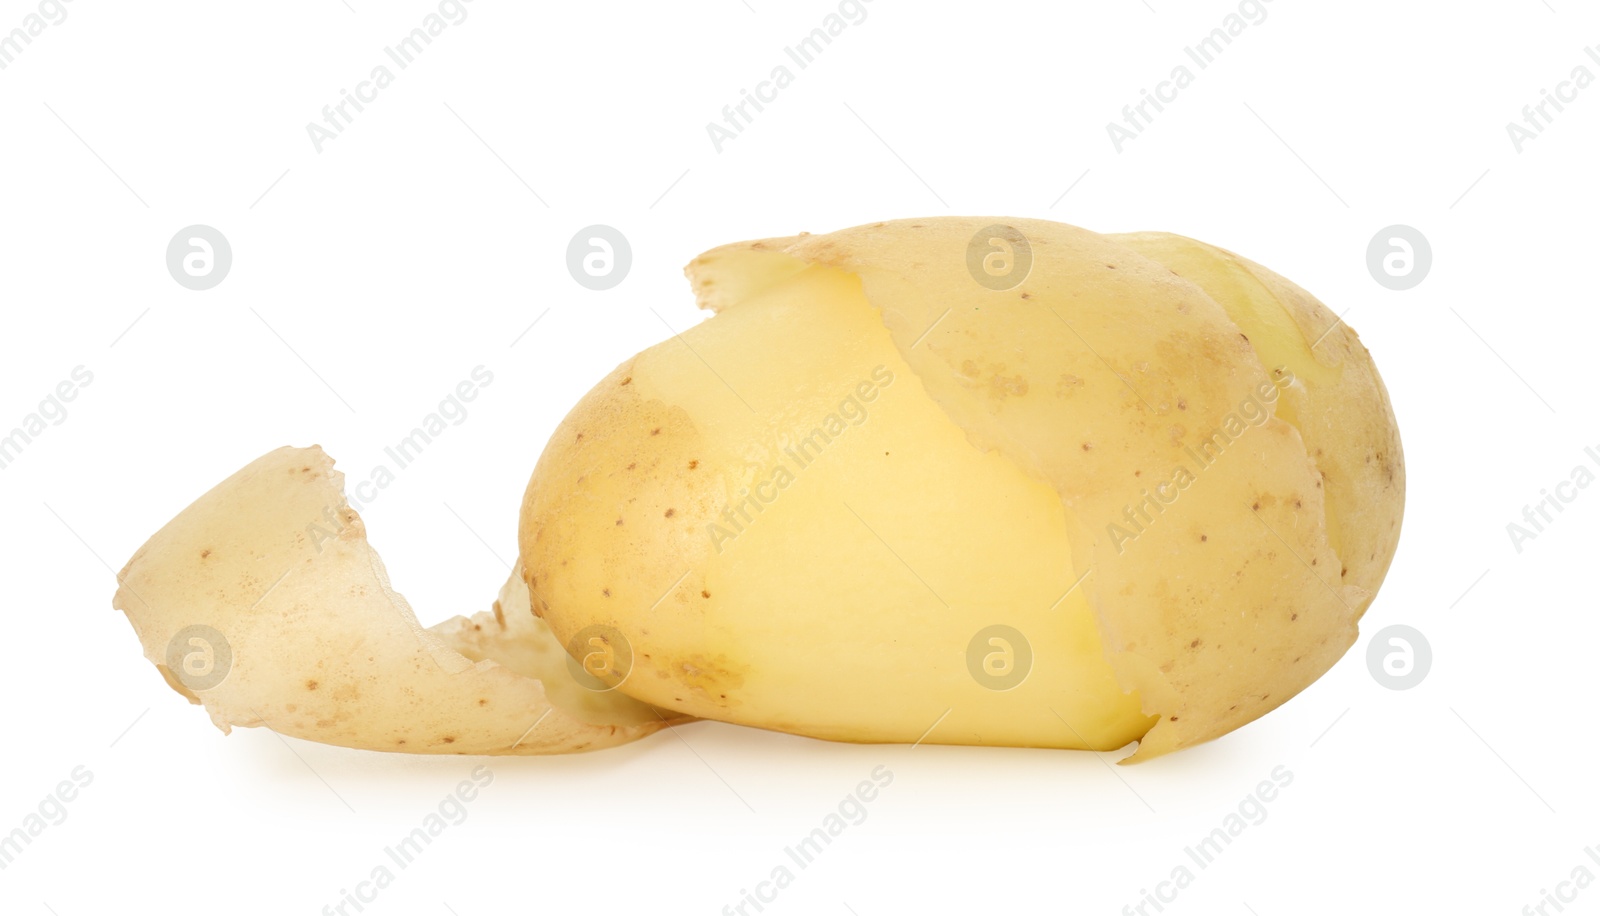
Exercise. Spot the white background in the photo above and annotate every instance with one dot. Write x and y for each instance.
(373, 276)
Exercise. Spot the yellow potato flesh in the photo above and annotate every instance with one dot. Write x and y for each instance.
(838, 599)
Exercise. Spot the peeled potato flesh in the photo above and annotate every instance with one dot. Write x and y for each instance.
(846, 609)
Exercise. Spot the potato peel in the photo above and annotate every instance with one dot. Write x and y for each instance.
(264, 602)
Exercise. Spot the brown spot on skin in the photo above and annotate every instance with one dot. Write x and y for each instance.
(1297, 504)
(1182, 404)
(1293, 617)
(205, 553)
(1027, 295)
(1137, 473)
(606, 592)
(311, 685)
(705, 594)
(1255, 507)
(1194, 644)
(580, 437)
(1087, 446)
(1171, 718)
(1204, 538)
(401, 741)
(1114, 267)
(449, 739)
(619, 521)
(671, 512)
(656, 431)
(694, 463)
(1244, 337)
(483, 701)
(629, 379)
(632, 465)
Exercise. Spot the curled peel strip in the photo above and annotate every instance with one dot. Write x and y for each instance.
(270, 574)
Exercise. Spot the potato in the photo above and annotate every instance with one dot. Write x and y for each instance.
(801, 514)
(952, 480)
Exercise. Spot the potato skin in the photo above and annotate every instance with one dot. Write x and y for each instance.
(598, 541)
(1338, 403)
(269, 577)
(1108, 375)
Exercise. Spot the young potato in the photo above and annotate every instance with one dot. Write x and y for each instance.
(953, 480)
(1107, 420)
